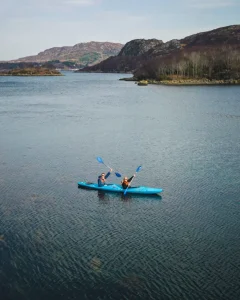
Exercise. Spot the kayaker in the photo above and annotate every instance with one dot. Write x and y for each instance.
(125, 182)
(102, 178)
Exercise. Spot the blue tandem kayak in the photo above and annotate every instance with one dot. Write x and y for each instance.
(117, 188)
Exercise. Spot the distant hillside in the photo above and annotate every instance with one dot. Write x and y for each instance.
(144, 57)
(82, 53)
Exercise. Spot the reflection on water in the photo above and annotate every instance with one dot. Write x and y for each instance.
(106, 196)
(96, 264)
(103, 195)
(3, 244)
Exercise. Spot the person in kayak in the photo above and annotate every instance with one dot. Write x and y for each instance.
(102, 178)
(125, 182)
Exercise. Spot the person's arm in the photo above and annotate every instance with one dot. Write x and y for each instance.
(108, 174)
(130, 178)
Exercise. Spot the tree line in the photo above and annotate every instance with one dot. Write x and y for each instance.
(214, 64)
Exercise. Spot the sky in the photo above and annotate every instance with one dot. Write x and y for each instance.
(28, 27)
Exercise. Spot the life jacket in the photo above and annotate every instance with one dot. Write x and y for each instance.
(101, 182)
(125, 184)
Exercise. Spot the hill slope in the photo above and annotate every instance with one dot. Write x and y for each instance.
(82, 53)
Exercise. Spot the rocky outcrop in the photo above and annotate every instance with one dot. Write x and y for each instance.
(164, 48)
(139, 47)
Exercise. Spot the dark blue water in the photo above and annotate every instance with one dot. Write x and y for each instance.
(60, 242)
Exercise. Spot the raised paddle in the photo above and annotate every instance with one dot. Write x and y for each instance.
(99, 159)
(137, 170)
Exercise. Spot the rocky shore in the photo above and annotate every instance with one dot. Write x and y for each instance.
(195, 82)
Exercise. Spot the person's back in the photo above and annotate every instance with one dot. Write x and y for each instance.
(102, 178)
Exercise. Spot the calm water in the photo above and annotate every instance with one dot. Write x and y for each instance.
(61, 242)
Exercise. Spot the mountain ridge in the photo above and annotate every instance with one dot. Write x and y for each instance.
(141, 52)
(87, 53)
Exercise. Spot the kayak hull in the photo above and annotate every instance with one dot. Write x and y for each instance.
(116, 188)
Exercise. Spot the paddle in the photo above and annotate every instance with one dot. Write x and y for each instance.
(138, 169)
(99, 159)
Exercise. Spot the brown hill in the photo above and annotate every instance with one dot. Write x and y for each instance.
(82, 53)
(229, 35)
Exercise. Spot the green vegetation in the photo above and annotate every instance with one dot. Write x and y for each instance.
(54, 61)
(70, 64)
(89, 58)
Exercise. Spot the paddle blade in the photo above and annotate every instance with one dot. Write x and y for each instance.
(118, 175)
(100, 160)
(138, 169)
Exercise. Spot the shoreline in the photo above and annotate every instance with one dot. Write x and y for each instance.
(187, 82)
(195, 82)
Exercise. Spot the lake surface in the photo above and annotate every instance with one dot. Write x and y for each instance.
(61, 242)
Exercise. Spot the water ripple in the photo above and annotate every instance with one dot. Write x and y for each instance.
(60, 242)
